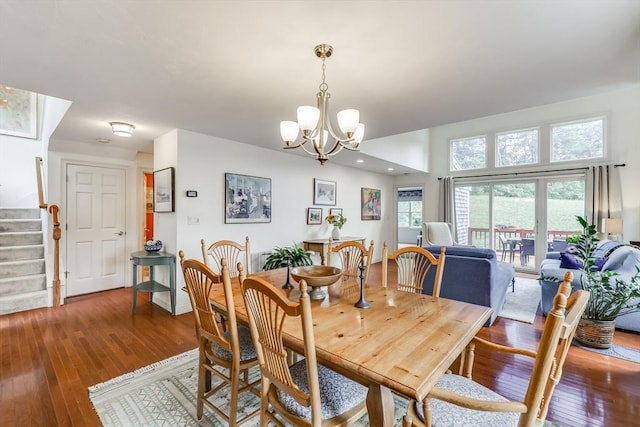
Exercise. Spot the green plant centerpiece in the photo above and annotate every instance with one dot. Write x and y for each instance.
(611, 296)
(280, 257)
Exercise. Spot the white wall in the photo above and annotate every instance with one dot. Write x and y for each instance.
(622, 110)
(201, 162)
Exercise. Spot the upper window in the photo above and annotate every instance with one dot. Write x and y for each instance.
(469, 153)
(517, 147)
(577, 140)
(410, 214)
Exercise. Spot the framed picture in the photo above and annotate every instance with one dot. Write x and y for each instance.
(314, 216)
(371, 204)
(324, 192)
(335, 211)
(163, 200)
(247, 199)
(18, 112)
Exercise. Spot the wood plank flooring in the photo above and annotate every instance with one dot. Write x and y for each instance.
(49, 357)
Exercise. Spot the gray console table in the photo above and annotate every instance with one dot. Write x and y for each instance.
(153, 259)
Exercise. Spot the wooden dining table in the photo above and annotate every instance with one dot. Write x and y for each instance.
(402, 343)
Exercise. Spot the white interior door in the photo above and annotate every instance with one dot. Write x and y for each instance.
(95, 229)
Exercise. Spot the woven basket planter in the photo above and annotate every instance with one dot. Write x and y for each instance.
(596, 333)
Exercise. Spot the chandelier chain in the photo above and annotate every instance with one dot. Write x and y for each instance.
(323, 86)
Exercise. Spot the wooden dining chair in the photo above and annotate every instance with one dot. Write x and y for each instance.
(458, 398)
(305, 393)
(230, 251)
(352, 254)
(231, 348)
(413, 263)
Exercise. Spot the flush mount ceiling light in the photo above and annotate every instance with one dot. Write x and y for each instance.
(315, 124)
(122, 128)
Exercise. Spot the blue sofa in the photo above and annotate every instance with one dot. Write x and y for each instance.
(473, 275)
(620, 258)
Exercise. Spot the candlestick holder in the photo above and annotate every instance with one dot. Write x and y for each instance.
(288, 284)
(362, 303)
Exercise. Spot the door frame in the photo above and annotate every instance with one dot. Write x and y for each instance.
(132, 199)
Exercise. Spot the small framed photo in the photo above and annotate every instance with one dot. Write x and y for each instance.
(324, 192)
(335, 211)
(314, 215)
(163, 187)
(371, 204)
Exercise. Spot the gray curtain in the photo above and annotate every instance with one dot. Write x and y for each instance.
(447, 205)
(604, 198)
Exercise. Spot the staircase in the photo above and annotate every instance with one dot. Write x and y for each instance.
(22, 267)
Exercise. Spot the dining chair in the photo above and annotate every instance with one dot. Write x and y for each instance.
(230, 348)
(305, 393)
(506, 248)
(413, 263)
(352, 254)
(230, 251)
(527, 249)
(458, 398)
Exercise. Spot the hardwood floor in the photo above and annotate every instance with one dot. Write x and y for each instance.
(49, 357)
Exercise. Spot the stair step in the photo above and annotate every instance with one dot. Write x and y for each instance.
(22, 284)
(23, 302)
(13, 225)
(19, 213)
(21, 268)
(21, 239)
(20, 253)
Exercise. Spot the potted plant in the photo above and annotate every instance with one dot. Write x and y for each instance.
(611, 296)
(280, 257)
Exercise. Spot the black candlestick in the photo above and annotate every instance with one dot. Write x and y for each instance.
(288, 284)
(362, 303)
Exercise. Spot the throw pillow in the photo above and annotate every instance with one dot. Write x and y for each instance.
(570, 261)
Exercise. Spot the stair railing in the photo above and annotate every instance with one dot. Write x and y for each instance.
(57, 232)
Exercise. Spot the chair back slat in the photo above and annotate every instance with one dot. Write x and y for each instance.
(228, 250)
(352, 254)
(413, 264)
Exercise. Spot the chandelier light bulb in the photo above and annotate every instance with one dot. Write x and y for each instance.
(348, 121)
(308, 117)
(289, 131)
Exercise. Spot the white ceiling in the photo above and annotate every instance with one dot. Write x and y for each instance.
(235, 69)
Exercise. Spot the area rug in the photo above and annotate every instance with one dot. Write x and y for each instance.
(164, 394)
(619, 351)
(522, 304)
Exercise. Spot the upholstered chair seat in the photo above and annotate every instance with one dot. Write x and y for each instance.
(247, 350)
(338, 394)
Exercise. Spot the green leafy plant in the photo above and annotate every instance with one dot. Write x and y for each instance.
(574, 238)
(280, 256)
(611, 296)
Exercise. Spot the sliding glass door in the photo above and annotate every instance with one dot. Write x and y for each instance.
(521, 219)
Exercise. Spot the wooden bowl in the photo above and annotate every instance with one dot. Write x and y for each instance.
(316, 275)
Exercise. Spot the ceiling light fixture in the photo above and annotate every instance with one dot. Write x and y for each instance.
(315, 124)
(122, 128)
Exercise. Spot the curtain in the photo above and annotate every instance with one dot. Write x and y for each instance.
(447, 204)
(604, 196)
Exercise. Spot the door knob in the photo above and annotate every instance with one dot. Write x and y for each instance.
(120, 233)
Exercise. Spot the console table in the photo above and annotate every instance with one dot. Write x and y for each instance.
(152, 259)
(321, 245)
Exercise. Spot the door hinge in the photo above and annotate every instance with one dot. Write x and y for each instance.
(66, 274)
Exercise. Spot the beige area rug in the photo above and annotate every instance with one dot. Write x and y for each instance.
(164, 394)
(522, 304)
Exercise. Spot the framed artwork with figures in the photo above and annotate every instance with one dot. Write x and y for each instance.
(247, 199)
(371, 204)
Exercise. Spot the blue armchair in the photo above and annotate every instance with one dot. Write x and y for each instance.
(473, 275)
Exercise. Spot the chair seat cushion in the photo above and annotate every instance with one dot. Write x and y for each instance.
(447, 414)
(338, 394)
(247, 350)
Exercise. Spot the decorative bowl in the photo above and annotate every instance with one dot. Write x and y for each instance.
(153, 248)
(316, 275)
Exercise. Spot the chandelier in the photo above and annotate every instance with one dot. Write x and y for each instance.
(315, 124)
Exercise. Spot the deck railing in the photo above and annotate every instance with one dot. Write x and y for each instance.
(56, 234)
(480, 236)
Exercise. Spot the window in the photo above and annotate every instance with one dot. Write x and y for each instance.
(469, 153)
(577, 140)
(517, 147)
(410, 214)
